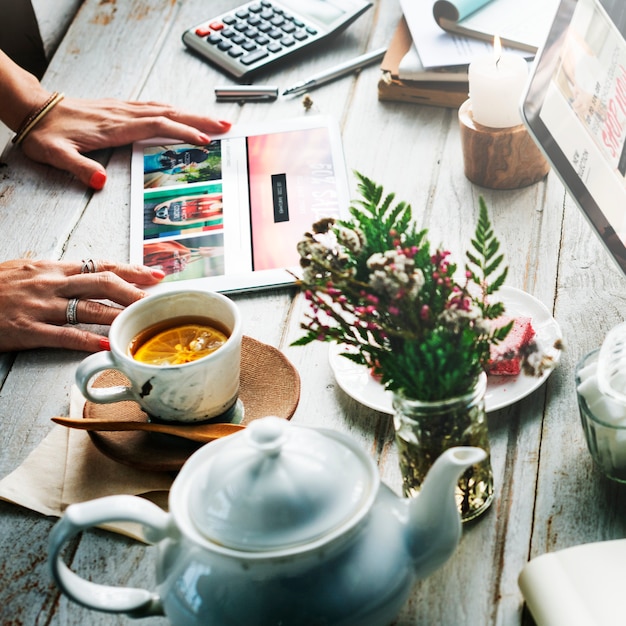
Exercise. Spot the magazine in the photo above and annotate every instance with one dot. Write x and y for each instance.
(227, 216)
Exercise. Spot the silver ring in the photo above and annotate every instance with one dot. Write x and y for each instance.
(70, 312)
(88, 267)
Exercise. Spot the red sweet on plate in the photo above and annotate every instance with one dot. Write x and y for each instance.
(504, 357)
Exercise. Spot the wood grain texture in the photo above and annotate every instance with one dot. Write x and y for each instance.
(499, 158)
(548, 494)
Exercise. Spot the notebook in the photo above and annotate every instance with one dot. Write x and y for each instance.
(227, 216)
(575, 108)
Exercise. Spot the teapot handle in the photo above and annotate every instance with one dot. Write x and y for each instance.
(78, 517)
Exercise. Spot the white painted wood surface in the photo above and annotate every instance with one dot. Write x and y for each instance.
(548, 494)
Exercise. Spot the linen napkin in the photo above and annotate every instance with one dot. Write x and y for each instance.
(67, 468)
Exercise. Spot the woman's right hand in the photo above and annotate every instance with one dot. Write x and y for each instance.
(35, 301)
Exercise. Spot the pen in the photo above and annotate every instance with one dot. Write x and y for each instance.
(262, 93)
(335, 72)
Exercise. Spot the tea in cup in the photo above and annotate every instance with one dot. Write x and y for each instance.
(181, 352)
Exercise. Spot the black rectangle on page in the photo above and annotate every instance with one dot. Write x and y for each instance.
(279, 197)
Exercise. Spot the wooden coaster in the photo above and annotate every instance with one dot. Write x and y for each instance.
(269, 385)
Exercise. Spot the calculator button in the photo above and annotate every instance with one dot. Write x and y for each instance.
(216, 25)
(266, 14)
(224, 45)
(265, 27)
(238, 40)
(229, 32)
(255, 56)
(301, 35)
(254, 20)
(274, 47)
(262, 40)
(214, 39)
(249, 46)
(242, 14)
(298, 23)
(275, 33)
(288, 28)
(277, 20)
(203, 31)
(255, 8)
(241, 26)
(288, 41)
(250, 32)
(235, 52)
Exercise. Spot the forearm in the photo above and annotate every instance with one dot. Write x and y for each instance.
(20, 92)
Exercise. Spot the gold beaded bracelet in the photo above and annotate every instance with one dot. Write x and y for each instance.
(36, 116)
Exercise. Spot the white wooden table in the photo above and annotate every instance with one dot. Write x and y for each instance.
(548, 494)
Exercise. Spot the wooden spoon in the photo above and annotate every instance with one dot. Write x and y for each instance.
(194, 432)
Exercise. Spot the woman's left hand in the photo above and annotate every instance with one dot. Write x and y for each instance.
(78, 126)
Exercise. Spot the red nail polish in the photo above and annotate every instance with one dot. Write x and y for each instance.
(226, 125)
(204, 138)
(104, 343)
(97, 180)
(160, 274)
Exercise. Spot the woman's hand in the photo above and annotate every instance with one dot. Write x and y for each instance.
(77, 126)
(34, 299)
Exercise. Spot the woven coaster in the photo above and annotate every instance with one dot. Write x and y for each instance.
(269, 385)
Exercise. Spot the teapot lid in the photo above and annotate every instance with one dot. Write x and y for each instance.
(277, 485)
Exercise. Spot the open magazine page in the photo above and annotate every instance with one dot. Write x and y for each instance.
(438, 48)
(585, 108)
(228, 215)
(522, 24)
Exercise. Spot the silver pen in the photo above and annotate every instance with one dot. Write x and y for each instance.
(336, 72)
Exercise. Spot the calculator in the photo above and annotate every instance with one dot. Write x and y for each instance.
(258, 34)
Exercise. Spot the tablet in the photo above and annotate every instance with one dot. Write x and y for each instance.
(575, 108)
(227, 216)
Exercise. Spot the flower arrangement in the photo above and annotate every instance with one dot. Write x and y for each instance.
(375, 284)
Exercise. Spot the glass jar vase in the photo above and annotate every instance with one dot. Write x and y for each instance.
(426, 429)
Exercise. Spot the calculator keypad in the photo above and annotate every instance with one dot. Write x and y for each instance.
(255, 32)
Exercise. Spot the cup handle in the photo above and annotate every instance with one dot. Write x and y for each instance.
(77, 517)
(92, 365)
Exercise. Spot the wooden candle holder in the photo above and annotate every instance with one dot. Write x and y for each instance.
(499, 158)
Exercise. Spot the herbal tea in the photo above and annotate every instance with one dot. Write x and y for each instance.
(178, 340)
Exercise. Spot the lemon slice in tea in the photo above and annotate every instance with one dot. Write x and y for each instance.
(181, 344)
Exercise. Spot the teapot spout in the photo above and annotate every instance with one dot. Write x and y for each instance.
(434, 522)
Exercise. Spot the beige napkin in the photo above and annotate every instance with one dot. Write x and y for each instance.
(66, 468)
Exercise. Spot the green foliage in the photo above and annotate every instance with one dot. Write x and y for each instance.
(374, 284)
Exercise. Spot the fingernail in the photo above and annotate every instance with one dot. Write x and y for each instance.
(160, 274)
(204, 138)
(104, 343)
(225, 125)
(97, 180)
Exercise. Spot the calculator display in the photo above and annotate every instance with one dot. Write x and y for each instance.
(318, 10)
(260, 33)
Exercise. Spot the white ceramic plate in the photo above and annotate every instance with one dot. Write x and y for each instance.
(502, 391)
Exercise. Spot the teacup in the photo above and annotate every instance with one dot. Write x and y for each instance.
(195, 391)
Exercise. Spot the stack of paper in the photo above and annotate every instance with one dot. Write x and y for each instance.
(579, 586)
(434, 43)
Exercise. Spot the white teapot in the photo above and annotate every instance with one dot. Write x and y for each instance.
(278, 525)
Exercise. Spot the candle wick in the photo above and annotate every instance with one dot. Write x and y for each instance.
(498, 60)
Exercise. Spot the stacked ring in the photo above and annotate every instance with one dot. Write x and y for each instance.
(70, 311)
(88, 267)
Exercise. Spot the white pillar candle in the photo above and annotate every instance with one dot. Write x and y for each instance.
(496, 84)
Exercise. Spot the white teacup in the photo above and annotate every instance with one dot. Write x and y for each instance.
(189, 392)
